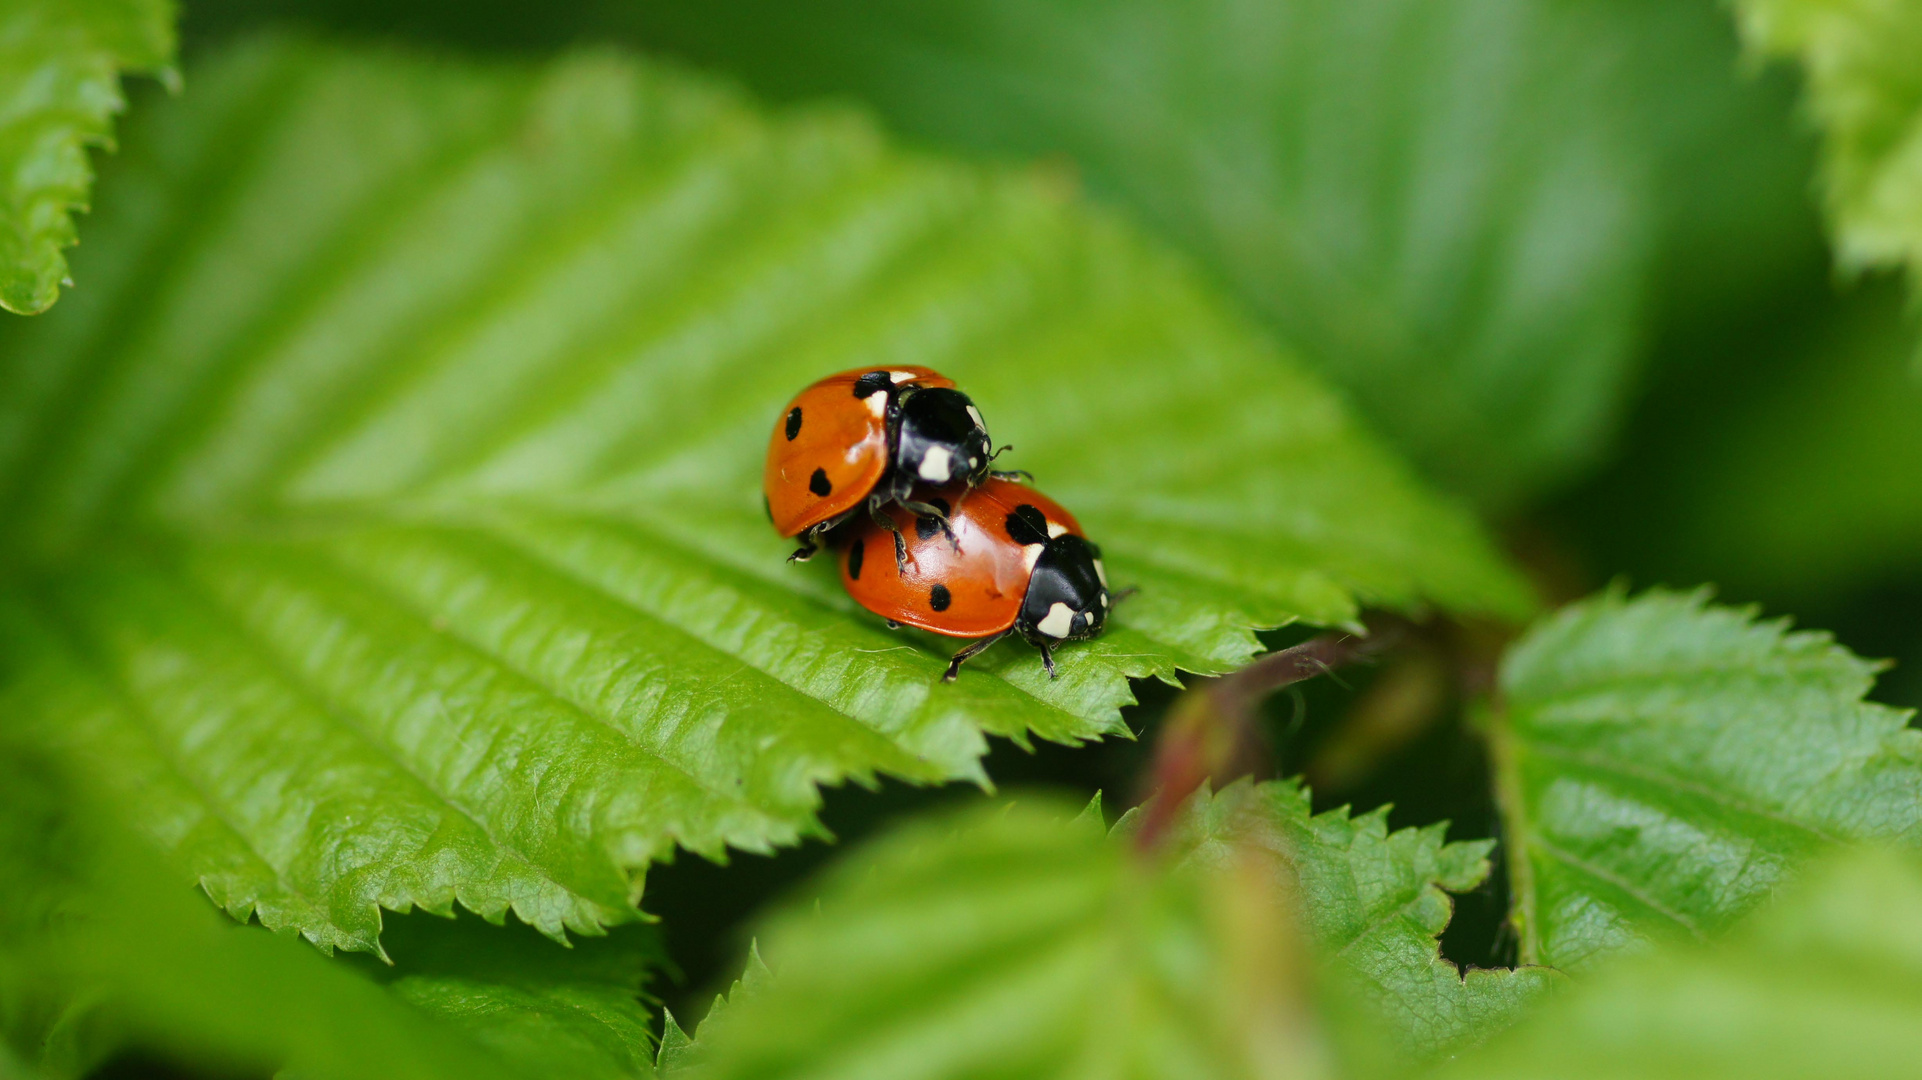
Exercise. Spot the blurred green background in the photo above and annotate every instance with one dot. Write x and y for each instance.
(1566, 255)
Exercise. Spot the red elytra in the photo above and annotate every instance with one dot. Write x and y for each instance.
(830, 447)
(1010, 560)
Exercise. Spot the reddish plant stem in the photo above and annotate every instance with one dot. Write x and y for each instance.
(1213, 733)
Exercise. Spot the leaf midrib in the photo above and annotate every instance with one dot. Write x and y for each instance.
(1616, 881)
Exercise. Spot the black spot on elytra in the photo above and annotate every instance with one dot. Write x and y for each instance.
(926, 527)
(855, 555)
(818, 483)
(1027, 525)
(871, 383)
(940, 598)
(793, 423)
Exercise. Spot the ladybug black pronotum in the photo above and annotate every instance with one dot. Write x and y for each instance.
(860, 441)
(1009, 561)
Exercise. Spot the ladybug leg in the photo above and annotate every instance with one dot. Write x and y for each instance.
(962, 657)
(929, 510)
(892, 625)
(806, 550)
(1047, 658)
(922, 509)
(900, 542)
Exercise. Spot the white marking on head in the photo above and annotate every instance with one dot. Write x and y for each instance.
(1060, 621)
(900, 377)
(976, 414)
(1104, 599)
(877, 404)
(936, 465)
(1055, 529)
(1030, 555)
(1101, 572)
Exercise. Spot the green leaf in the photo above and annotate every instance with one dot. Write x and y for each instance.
(60, 65)
(1011, 941)
(572, 1012)
(1821, 984)
(1864, 92)
(1375, 903)
(1449, 207)
(101, 947)
(388, 517)
(1664, 763)
(678, 1048)
(12, 1068)
(1014, 932)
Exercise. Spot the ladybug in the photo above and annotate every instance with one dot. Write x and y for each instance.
(1017, 563)
(862, 440)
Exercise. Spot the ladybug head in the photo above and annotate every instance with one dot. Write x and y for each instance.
(942, 439)
(1068, 596)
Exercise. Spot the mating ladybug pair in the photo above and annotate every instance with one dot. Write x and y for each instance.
(898, 461)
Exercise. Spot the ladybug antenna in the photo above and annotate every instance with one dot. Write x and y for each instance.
(1009, 474)
(1119, 595)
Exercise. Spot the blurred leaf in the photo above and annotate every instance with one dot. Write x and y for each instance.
(1374, 902)
(12, 1068)
(1663, 763)
(1007, 932)
(1865, 95)
(1010, 941)
(1738, 225)
(60, 65)
(1805, 480)
(390, 507)
(679, 1050)
(97, 932)
(1821, 985)
(1457, 211)
(573, 1012)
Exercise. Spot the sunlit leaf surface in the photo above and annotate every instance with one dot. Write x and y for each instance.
(1665, 763)
(388, 509)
